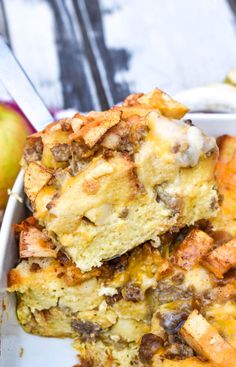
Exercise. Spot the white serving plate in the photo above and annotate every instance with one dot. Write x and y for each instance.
(39, 351)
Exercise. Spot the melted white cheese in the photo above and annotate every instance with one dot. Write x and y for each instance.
(190, 141)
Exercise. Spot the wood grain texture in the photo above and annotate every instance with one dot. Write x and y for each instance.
(31, 29)
(89, 54)
(104, 61)
(3, 22)
(174, 45)
(78, 86)
(5, 32)
(80, 44)
(93, 53)
(232, 4)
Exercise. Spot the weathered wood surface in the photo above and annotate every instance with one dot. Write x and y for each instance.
(88, 54)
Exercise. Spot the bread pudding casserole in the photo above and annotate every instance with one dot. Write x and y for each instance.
(131, 248)
(103, 183)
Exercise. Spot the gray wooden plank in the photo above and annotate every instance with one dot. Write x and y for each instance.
(111, 59)
(3, 22)
(4, 31)
(93, 54)
(232, 4)
(79, 89)
(172, 44)
(31, 29)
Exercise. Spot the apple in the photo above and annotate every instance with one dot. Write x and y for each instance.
(13, 132)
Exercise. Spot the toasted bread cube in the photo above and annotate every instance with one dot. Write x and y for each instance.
(141, 104)
(164, 103)
(206, 341)
(188, 362)
(24, 225)
(220, 260)
(195, 245)
(97, 127)
(36, 177)
(33, 243)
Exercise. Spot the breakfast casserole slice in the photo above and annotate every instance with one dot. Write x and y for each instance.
(103, 183)
(134, 310)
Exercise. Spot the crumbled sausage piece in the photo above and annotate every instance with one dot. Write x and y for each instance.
(169, 293)
(138, 131)
(173, 338)
(172, 202)
(167, 239)
(110, 300)
(33, 150)
(119, 137)
(125, 145)
(132, 292)
(205, 225)
(214, 204)
(150, 344)
(62, 258)
(178, 351)
(124, 213)
(178, 278)
(118, 263)
(61, 152)
(77, 150)
(88, 330)
(35, 267)
(107, 153)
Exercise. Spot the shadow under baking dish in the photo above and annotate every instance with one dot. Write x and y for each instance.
(18, 349)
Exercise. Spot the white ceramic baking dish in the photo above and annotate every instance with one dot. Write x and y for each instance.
(19, 349)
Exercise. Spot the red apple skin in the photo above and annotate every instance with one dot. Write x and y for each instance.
(13, 132)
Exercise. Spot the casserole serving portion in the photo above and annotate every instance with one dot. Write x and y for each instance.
(131, 311)
(131, 248)
(103, 183)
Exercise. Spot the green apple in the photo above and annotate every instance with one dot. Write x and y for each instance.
(13, 132)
